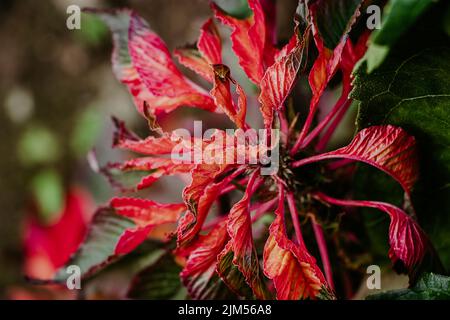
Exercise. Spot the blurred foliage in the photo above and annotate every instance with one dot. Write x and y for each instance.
(48, 192)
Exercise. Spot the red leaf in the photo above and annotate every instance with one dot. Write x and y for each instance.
(199, 274)
(293, 270)
(387, 148)
(156, 167)
(130, 239)
(207, 53)
(408, 242)
(48, 247)
(279, 79)
(249, 40)
(191, 58)
(223, 98)
(199, 197)
(209, 43)
(239, 226)
(125, 139)
(158, 72)
(146, 214)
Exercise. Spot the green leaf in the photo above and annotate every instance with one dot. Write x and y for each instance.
(47, 189)
(38, 145)
(335, 19)
(236, 8)
(411, 89)
(429, 287)
(159, 281)
(97, 250)
(87, 128)
(398, 17)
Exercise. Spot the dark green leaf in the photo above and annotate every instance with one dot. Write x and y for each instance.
(398, 17)
(159, 281)
(411, 89)
(335, 19)
(429, 287)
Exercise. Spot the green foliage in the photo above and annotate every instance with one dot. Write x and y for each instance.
(429, 287)
(48, 193)
(398, 17)
(159, 281)
(87, 128)
(38, 145)
(334, 19)
(411, 89)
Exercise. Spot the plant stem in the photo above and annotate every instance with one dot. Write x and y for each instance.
(321, 243)
(294, 215)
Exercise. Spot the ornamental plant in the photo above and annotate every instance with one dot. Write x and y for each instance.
(293, 233)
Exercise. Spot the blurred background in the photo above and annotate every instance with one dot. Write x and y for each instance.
(57, 96)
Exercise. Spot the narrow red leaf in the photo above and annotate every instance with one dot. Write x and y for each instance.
(222, 95)
(408, 242)
(387, 148)
(279, 80)
(200, 195)
(209, 43)
(154, 167)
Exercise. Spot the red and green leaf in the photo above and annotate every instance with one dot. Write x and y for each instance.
(199, 274)
(293, 270)
(239, 226)
(143, 63)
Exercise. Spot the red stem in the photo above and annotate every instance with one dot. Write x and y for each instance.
(321, 243)
(303, 133)
(327, 136)
(294, 215)
(340, 104)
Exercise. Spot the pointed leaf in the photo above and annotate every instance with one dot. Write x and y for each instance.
(239, 226)
(387, 148)
(222, 95)
(98, 249)
(408, 242)
(249, 40)
(293, 270)
(199, 274)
